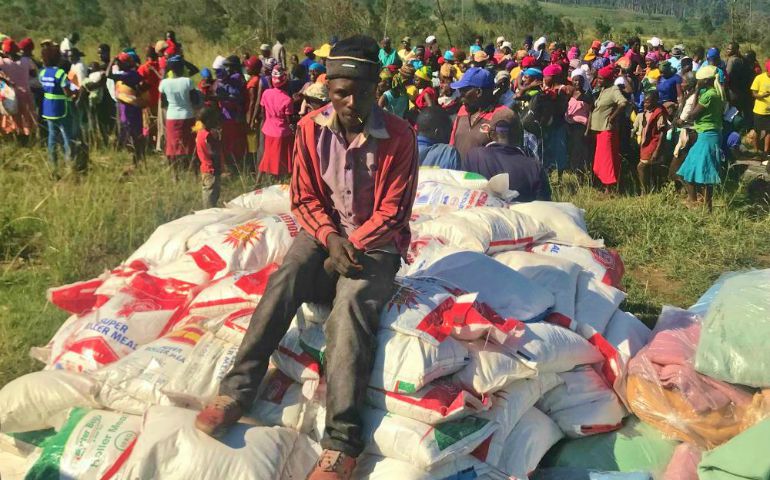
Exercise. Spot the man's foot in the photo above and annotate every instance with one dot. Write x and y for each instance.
(219, 415)
(333, 465)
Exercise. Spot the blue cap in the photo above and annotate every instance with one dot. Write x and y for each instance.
(474, 49)
(317, 67)
(476, 77)
(449, 55)
(206, 73)
(712, 53)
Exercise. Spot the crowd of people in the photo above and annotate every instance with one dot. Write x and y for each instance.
(489, 107)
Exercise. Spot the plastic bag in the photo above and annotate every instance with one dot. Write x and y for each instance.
(440, 401)
(637, 447)
(171, 447)
(491, 368)
(583, 405)
(33, 401)
(484, 229)
(528, 442)
(731, 346)
(169, 241)
(135, 382)
(272, 200)
(663, 385)
(565, 220)
(604, 264)
(405, 364)
(91, 445)
(558, 276)
(421, 444)
(436, 198)
(234, 291)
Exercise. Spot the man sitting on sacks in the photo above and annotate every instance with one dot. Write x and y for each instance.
(353, 185)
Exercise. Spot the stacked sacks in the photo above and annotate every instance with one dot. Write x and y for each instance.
(491, 341)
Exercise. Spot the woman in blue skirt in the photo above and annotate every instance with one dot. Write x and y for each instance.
(701, 166)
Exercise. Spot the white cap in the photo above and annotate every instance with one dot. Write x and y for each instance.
(655, 42)
(502, 74)
(538, 42)
(500, 39)
(264, 46)
(507, 44)
(218, 62)
(620, 81)
(430, 39)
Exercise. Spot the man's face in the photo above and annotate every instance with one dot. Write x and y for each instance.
(471, 97)
(386, 44)
(406, 46)
(352, 99)
(265, 53)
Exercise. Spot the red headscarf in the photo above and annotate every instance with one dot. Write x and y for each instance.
(9, 46)
(767, 65)
(607, 73)
(528, 61)
(26, 45)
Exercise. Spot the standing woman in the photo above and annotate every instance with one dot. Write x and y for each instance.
(395, 100)
(128, 85)
(231, 92)
(177, 94)
(18, 70)
(555, 134)
(579, 108)
(277, 107)
(604, 121)
(253, 69)
(424, 83)
(701, 166)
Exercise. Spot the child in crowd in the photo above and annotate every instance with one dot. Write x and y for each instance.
(651, 125)
(208, 147)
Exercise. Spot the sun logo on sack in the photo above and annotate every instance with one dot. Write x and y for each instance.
(245, 234)
(405, 296)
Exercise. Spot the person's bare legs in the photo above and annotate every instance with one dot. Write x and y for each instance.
(642, 170)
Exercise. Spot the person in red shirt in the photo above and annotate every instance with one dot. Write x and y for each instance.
(151, 77)
(208, 148)
(352, 189)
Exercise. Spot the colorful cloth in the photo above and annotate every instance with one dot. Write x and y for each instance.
(278, 107)
(702, 163)
(607, 157)
(180, 139)
(742, 458)
(277, 155)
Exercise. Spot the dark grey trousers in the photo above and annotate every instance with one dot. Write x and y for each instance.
(350, 332)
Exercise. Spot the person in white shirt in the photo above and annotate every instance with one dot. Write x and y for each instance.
(279, 52)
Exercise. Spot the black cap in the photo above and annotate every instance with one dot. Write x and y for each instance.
(355, 57)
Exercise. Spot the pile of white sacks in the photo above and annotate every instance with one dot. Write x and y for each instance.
(503, 336)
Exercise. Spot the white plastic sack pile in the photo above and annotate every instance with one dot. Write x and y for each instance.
(465, 347)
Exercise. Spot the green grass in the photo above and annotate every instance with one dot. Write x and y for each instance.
(53, 233)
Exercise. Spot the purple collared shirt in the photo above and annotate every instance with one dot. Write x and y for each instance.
(349, 170)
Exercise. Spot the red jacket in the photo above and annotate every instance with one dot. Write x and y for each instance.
(395, 185)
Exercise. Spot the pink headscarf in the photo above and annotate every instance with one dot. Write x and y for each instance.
(573, 53)
(278, 77)
(552, 70)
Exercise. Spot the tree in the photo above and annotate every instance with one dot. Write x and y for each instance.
(603, 27)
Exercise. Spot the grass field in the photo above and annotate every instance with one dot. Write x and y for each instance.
(52, 233)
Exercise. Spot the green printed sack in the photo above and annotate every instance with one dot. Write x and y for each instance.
(91, 445)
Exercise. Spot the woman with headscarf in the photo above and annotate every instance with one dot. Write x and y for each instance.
(231, 92)
(24, 122)
(179, 96)
(555, 132)
(128, 89)
(702, 164)
(651, 72)
(150, 71)
(669, 84)
(579, 107)
(603, 120)
(277, 109)
(395, 99)
(427, 96)
(253, 89)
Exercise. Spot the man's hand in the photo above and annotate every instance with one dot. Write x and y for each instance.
(343, 256)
